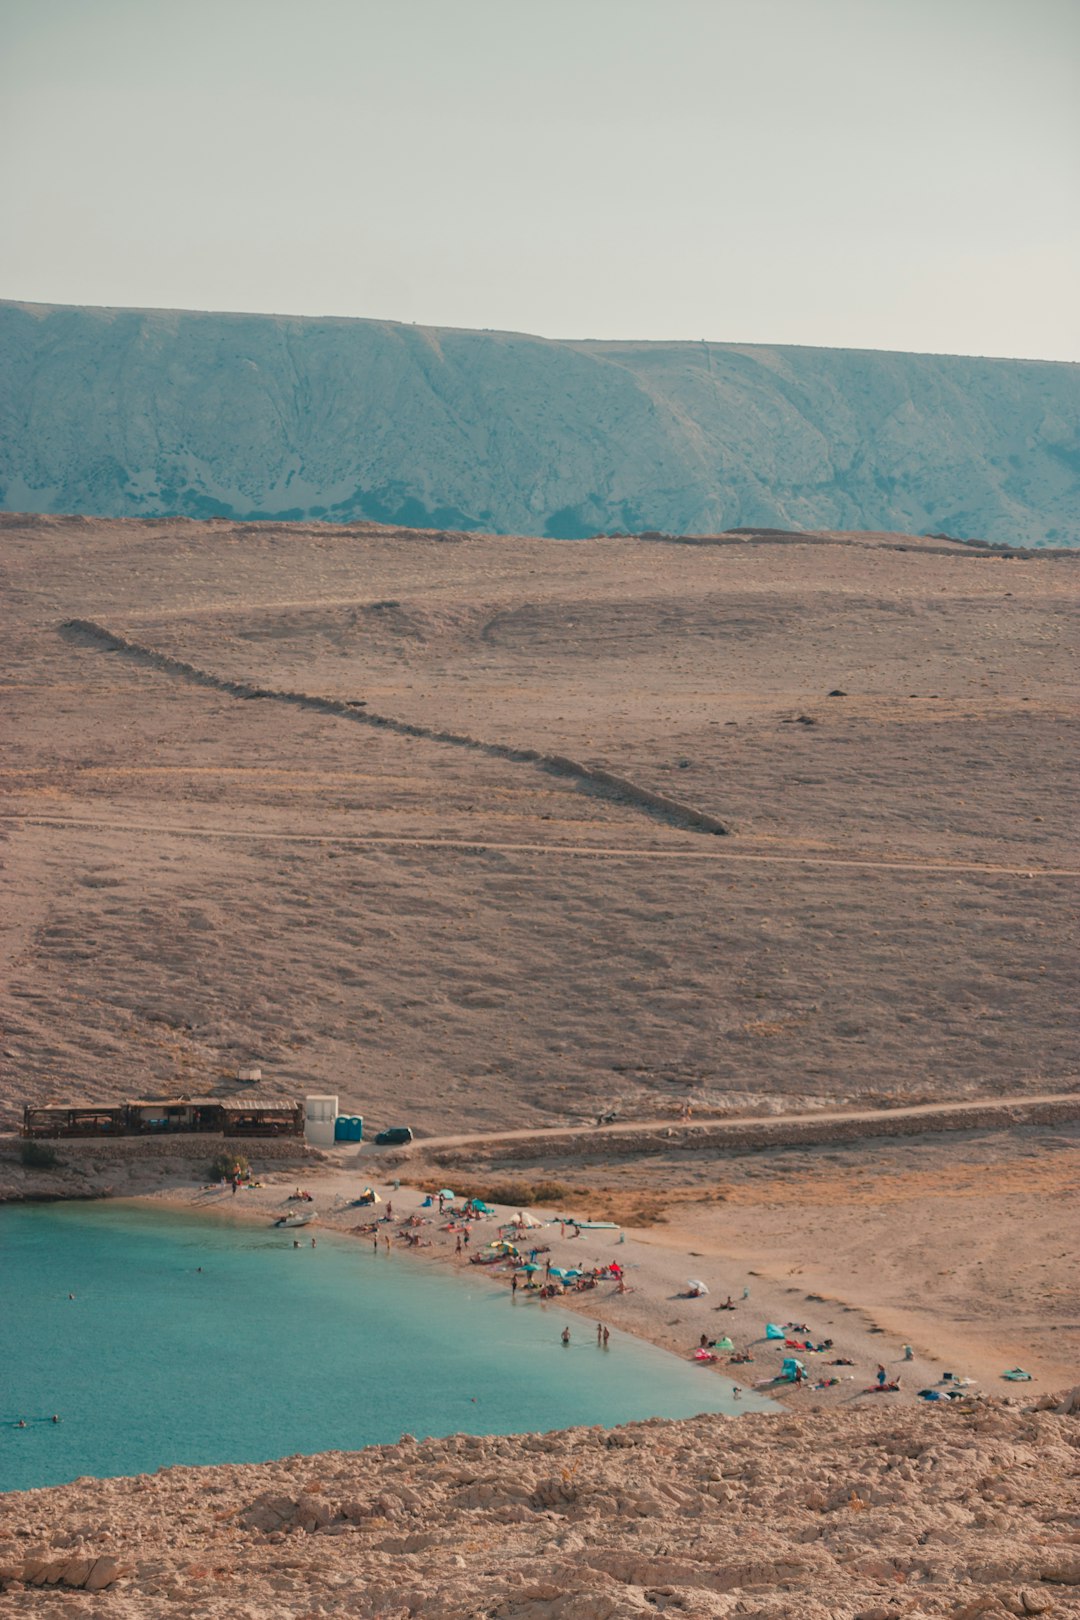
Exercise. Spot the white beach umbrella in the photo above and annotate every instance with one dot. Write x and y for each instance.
(525, 1219)
(697, 1285)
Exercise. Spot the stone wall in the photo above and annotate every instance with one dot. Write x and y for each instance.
(733, 1137)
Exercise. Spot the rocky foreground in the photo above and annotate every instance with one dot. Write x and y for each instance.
(964, 1512)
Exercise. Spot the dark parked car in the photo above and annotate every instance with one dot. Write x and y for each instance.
(396, 1136)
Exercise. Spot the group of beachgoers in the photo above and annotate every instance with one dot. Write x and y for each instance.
(795, 1336)
(603, 1336)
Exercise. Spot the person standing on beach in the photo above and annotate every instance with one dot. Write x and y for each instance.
(599, 1333)
(513, 1284)
(882, 1376)
(465, 1236)
(607, 1336)
(457, 1246)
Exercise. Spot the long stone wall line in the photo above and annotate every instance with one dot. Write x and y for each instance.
(747, 1138)
(605, 784)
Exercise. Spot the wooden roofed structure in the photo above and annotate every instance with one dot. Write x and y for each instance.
(251, 1115)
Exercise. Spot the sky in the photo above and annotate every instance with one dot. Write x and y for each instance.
(887, 174)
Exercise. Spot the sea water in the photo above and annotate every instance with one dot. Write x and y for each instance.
(198, 1340)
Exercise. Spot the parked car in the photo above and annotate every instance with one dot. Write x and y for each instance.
(396, 1136)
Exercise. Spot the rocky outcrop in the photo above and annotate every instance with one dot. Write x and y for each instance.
(143, 413)
(828, 1516)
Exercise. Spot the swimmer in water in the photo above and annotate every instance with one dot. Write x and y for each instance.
(566, 1335)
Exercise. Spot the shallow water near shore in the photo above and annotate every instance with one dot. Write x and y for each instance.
(271, 1350)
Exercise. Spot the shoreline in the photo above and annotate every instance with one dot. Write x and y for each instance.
(653, 1308)
(875, 1249)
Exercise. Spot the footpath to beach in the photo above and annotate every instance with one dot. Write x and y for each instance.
(635, 1136)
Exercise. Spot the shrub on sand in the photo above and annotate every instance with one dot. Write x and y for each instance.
(225, 1165)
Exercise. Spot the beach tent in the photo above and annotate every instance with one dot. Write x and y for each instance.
(481, 1208)
(723, 1344)
(790, 1366)
(697, 1285)
(525, 1219)
(774, 1332)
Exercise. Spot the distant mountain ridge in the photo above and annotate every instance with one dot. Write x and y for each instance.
(147, 413)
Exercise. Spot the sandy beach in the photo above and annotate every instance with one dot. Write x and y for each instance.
(800, 1239)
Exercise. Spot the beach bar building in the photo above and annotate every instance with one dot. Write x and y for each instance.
(252, 1115)
(148, 1117)
(261, 1116)
(75, 1119)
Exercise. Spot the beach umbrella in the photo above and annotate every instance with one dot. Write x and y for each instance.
(695, 1282)
(525, 1219)
(444, 1192)
(528, 1266)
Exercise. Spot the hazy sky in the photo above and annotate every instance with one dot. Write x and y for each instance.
(899, 174)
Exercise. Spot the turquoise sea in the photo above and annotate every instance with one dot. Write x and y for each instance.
(270, 1350)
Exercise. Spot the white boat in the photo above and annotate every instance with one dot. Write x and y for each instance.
(295, 1220)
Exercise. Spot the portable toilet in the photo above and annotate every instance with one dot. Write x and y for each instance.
(320, 1117)
(349, 1128)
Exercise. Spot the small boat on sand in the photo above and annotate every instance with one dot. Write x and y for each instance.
(295, 1220)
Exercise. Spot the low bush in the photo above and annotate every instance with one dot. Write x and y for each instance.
(225, 1165)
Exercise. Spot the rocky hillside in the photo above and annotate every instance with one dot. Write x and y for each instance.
(868, 1515)
(145, 413)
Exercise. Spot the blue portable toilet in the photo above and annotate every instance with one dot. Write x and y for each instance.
(349, 1128)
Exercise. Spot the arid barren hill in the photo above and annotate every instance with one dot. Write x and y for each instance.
(430, 922)
(145, 413)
